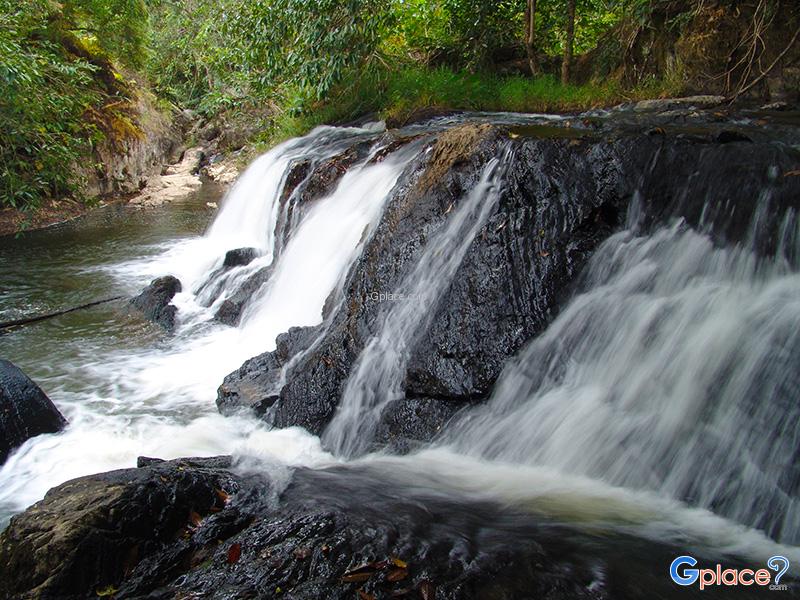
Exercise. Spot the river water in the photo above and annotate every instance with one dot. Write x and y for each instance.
(576, 430)
(101, 365)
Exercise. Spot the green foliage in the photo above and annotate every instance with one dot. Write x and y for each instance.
(303, 62)
(190, 58)
(397, 93)
(43, 95)
(415, 88)
(309, 45)
(117, 27)
(462, 33)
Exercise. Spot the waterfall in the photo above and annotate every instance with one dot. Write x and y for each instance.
(378, 376)
(675, 371)
(128, 397)
(666, 385)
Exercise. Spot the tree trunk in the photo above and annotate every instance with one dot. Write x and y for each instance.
(530, 35)
(566, 64)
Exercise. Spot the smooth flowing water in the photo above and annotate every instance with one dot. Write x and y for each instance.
(378, 377)
(589, 424)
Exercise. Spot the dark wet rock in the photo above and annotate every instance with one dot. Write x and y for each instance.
(663, 104)
(727, 136)
(155, 301)
(239, 257)
(562, 198)
(25, 410)
(193, 528)
(231, 309)
(407, 423)
(89, 534)
(323, 177)
(410, 218)
(256, 384)
(777, 106)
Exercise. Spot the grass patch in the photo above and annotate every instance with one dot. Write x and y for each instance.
(399, 93)
(411, 89)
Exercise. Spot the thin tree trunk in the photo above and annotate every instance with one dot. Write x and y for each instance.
(530, 35)
(37, 318)
(566, 64)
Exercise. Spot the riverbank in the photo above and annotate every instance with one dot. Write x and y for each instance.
(172, 182)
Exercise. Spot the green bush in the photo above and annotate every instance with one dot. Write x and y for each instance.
(43, 95)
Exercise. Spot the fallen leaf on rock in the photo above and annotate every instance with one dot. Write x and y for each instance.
(366, 567)
(195, 519)
(234, 553)
(223, 496)
(107, 591)
(302, 553)
(357, 577)
(400, 564)
(427, 590)
(397, 575)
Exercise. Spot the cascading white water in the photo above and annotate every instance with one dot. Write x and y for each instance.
(378, 376)
(674, 371)
(315, 259)
(659, 383)
(158, 400)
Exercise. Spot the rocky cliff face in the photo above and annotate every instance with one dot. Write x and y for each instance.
(564, 194)
(132, 153)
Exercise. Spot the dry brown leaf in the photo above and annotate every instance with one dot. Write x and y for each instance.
(365, 596)
(400, 564)
(427, 590)
(195, 519)
(357, 577)
(301, 553)
(397, 575)
(234, 553)
(223, 496)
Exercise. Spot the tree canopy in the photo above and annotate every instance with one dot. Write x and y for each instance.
(62, 65)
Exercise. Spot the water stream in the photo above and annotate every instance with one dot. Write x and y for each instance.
(588, 424)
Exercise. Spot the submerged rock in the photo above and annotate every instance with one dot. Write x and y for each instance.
(239, 257)
(660, 104)
(155, 301)
(25, 410)
(231, 309)
(214, 285)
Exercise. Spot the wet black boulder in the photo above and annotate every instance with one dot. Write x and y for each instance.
(25, 410)
(239, 257)
(198, 528)
(155, 301)
(89, 534)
